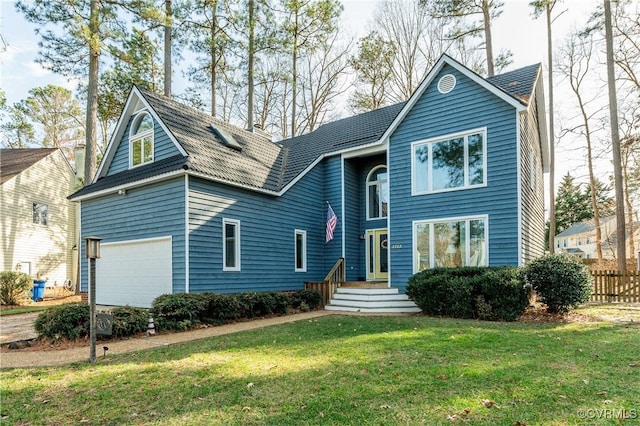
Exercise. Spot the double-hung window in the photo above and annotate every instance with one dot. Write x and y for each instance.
(451, 242)
(448, 163)
(230, 244)
(300, 250)
(141, 140)
(41, 214)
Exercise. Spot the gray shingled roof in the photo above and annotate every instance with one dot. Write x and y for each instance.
(15, 161)
(262, 164)
(518, 83)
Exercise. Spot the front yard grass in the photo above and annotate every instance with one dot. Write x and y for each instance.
(350, 370)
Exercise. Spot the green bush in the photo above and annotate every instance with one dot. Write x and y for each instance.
(310, 298)
(491, 293)
(70, 321)
(560, 281)
(222, 308)
(14, 287)
(179, 311)
(128, 321)
(257, 304)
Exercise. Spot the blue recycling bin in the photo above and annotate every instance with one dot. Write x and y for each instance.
(38, 290)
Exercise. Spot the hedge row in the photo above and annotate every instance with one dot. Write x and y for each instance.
(71, 322)
(173, 312)
(182, 311)
(488, 293)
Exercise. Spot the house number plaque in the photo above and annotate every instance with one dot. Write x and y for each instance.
(104, 324)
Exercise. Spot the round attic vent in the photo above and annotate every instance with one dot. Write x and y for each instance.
(446, 83)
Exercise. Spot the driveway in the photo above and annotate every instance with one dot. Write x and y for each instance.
(18, 327)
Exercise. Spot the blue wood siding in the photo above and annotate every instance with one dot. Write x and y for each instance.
(354, 246)
(267, 226)
(469, 106)
(163, 148)
(332, 168)
(151, 211)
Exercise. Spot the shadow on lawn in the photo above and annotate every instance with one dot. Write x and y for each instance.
(353, 370)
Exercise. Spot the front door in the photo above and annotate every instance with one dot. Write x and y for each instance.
(377, 255)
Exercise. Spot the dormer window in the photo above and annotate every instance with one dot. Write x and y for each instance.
(141, 140)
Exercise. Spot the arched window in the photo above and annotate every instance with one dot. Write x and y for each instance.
(377, 193)
(141, 140)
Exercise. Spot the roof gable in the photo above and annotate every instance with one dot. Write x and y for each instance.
(218, 151)
(513, 94)
(15, 161)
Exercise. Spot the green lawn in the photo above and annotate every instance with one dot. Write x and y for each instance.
(350, 370)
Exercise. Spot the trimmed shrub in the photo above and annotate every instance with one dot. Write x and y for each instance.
(180, 311)
(127, 321)
(504, 292)
(310, 298)
(490, 293)
(560, 281)
(14, 287)
(70, 321)
(256, 304)
(222, 308)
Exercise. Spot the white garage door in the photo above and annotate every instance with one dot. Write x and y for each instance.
(133, 272)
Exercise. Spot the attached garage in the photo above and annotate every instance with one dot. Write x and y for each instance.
(134, 272)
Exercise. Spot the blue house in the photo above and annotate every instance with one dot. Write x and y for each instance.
(454, 176)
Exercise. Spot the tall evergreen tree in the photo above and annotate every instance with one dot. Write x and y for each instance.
(573, 205)
(73, 36)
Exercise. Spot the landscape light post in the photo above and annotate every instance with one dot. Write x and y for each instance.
(93, 252)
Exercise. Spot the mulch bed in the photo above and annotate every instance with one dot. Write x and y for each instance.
(539, 314)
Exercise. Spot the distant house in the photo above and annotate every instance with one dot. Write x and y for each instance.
(452, 177)
(579, 240)
(38, 221)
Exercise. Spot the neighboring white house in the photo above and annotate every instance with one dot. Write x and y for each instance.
(579, 240)
(38, 222)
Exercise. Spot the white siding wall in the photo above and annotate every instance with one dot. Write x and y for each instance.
(48, 249)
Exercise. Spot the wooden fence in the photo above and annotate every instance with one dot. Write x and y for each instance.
(612, 286)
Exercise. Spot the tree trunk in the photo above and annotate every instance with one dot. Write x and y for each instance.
(213, 52)
(487, 37)
(167, 48)
(615, 143)
(250, 66)
(90, 164)
(294, 77)
(552, 189)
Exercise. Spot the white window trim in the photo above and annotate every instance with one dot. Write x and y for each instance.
(430, 222)
(376, 182)
(430, 143)
(236, 223)
(139, 136)
(303, 233)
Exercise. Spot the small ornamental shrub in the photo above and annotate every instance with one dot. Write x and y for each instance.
(490, 293)
(128, 321)
(560, 281)
(256, 304)
(14, 287)
(70, 321)
(179, 311)
(310, 298)
(222, 308)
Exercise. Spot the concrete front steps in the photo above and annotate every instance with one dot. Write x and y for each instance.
(371, 300)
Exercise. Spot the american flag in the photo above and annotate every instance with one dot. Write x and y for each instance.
(332, 221)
